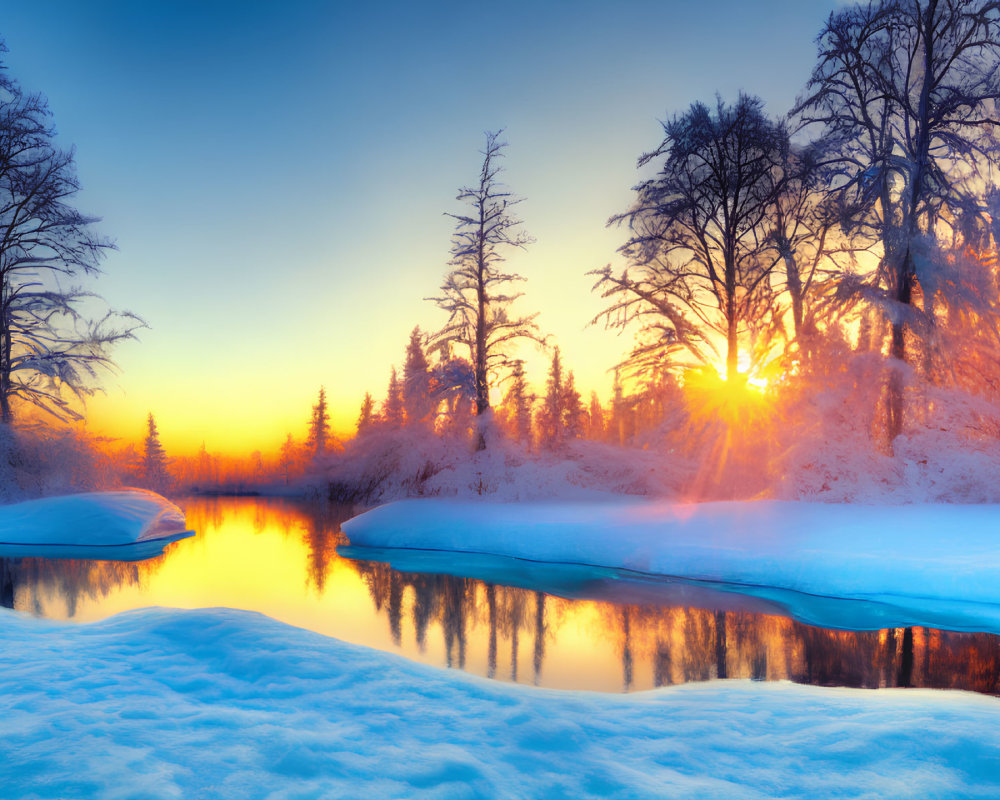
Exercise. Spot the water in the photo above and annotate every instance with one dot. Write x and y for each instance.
(560, 627)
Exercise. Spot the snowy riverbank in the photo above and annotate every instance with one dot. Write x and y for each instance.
(220, 703)
(126, 525)
(933, 565)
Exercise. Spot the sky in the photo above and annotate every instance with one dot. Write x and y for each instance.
(276, 176)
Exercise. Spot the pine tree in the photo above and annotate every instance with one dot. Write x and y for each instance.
(319, 425)
(393, 409)
(517, 403)
(154, 459)
(551, 416)
(573, 413)
(417, 402)
(367, 416)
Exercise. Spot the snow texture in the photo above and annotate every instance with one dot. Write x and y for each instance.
(129, 524)
(217, 703)
(933, 565)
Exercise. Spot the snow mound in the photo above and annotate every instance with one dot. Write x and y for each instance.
(132, 523)
(936, 565)
(162, 703)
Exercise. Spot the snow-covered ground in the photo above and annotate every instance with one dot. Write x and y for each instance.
(221, 704)
(933, 565)
(130, 524)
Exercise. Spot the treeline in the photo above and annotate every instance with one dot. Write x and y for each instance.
(812, 294)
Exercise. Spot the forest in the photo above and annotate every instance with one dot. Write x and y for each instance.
(813, 297)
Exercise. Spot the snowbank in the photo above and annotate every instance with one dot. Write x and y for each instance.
(219, 703)
(934, 565)
(130, 524)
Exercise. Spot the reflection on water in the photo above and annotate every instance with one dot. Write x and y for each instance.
(280, 558)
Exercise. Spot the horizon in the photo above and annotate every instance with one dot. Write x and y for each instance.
(241, 160)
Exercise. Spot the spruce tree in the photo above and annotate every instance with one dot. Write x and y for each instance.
(154, 459)
(393, 408)
(319, 425)
(417, 403)
(551, 432)
(366, 418)
(573, 413)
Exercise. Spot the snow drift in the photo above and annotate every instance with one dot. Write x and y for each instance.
(168, 704)
(130, 524)
(934, 565)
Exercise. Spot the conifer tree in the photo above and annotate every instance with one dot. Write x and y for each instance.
(393, 409)
(366, 418)
(319, 425)
(154, 459)
(417, 402)
(550, 418)
(517, 402)
(573, 413)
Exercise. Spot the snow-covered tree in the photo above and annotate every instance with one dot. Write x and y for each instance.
(393, 408)
(517, 405)
(154, 458)
(550, 416)
(476, 292)
(319, 426)
(908, 90)
(695, 270)
(366, 417)
(418, 402)
(48, 344)
(573, 413)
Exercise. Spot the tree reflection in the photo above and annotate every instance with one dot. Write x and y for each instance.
(676, 644)
(29, 584)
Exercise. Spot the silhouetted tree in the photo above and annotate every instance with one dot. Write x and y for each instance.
(154, 459)
(517, 403)
(476, 293)
(550, 416)
(319, 426)
(573, 413)
(908, 91)
(392, 409)
(694, 234)
(47, 343)
(366, 417)
(418, 402)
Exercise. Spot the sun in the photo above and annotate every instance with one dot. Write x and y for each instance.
(739, 400)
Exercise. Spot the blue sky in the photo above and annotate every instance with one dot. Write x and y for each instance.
(276, 174)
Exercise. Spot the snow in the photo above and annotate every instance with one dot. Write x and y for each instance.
(933, 565)
(214, 703)
(130, 524)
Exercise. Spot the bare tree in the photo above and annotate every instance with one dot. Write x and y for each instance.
(909, 90)
(695, 237)
(47, 343)
(476, 292)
